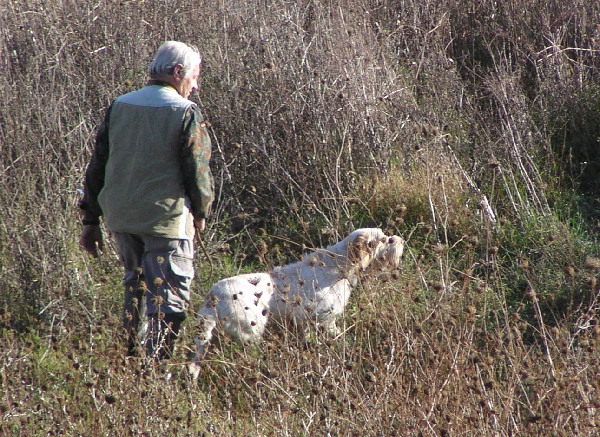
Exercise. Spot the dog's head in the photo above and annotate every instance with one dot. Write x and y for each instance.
(370, 248)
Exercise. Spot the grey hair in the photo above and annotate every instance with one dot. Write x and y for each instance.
(170, 54)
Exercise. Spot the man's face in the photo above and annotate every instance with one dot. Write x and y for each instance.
(189, 83)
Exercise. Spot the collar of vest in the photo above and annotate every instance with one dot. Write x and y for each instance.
(160, 83)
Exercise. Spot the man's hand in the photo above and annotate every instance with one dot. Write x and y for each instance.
(91, 239)
(200, 225)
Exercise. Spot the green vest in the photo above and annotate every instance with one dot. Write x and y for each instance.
(143, 189)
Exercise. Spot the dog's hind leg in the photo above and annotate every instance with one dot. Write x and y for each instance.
(206, 322)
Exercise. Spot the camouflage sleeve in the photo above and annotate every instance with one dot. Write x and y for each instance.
(195, 158)
(94, 175)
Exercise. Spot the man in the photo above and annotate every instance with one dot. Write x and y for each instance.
(149, 177)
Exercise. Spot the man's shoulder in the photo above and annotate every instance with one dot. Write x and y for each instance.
(155, 96)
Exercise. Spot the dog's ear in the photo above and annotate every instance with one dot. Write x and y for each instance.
(359, 248)
(356, 248)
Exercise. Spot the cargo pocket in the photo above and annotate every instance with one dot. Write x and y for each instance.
(183, 268)
(182, 271)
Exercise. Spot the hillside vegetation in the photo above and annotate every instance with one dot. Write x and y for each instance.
(471, 128)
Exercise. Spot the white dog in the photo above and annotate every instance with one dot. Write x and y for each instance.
(315, 289)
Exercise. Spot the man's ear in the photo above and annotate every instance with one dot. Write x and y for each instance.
(178, 71)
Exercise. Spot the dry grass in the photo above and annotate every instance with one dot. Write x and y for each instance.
(326, 116)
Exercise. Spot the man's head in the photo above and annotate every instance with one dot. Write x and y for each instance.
(177, 64)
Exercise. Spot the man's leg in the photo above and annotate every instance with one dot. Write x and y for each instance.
(169, 270)
(131, 249)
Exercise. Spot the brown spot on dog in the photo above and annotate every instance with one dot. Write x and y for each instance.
(254, 281)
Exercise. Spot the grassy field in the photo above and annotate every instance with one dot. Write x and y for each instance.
(471, 128)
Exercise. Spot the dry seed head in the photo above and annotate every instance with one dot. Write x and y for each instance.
(160, 260)
(570, 271)
(524, 264)
(212, 300)
(494, 250)
(158, 282)
(438, 286)
(305, 225)
(327, 233)
(439, 248)
(592, 282)
(592, 263)
(530, 294)
(400, 210)
(223, 248)
(261, 247)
